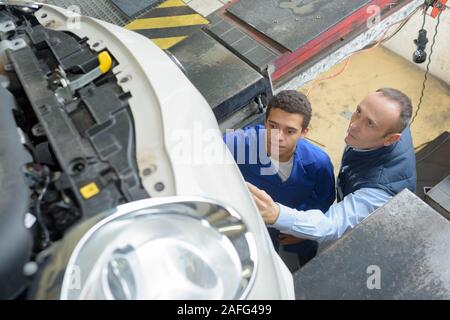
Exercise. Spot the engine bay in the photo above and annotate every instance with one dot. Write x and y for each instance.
(68, 139)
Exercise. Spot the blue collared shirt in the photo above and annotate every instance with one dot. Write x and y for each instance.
(311, 184)
(342, 216)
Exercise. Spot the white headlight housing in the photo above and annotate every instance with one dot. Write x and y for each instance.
(171, 248)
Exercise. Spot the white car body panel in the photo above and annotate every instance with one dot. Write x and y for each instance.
(167, 110)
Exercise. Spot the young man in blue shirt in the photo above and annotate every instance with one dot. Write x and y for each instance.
(276, 158)
(377, 164)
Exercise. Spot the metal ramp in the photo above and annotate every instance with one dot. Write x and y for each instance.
(405, 242)
(99, 9)
(118, 12)
(238, 55)
(294, 23)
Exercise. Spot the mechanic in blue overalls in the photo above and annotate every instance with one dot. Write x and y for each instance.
(276, 158)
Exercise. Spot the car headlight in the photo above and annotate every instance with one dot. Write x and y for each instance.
(169, 248)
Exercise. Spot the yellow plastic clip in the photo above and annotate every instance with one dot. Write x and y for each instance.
(105, 62)
(89, 190)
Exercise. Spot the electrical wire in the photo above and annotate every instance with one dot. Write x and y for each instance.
(376, 45)
(403, 23)
(422, 94)
(38, 210)
(316, 142)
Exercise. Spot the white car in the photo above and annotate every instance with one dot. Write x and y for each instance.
(125, 186)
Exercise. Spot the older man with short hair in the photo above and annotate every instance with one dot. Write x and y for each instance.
(377, 164)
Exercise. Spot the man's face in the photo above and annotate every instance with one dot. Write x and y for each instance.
(373, 122)
(284, 129)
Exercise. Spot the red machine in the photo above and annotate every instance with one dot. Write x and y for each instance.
(279, 40)
(438, 7)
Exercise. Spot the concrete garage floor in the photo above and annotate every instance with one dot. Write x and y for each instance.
(335, 99)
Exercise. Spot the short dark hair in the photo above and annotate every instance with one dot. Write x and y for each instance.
(292, 101)
(404, 102)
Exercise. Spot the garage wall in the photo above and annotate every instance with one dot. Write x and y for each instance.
(403, 45)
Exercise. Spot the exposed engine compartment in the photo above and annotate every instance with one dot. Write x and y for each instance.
(67, 153)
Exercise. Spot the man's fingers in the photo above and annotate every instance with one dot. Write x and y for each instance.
(254, 190)
(258, 192)
(268, 209)
(259, 203)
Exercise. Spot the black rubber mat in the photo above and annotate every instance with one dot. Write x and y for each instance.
(133, 8)
(293, 23)
(226, 81)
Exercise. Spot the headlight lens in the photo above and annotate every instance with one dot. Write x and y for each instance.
(174, 250)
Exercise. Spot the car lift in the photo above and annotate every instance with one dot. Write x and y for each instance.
(243, 53)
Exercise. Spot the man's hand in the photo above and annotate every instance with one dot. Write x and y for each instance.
(288, 239)
(268, 209)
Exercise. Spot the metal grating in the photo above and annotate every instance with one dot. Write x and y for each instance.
(292, 24)
(132, 9)
(100, 9)
(250, 50)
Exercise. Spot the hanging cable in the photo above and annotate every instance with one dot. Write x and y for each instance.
(427, 68)
(383, 38)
